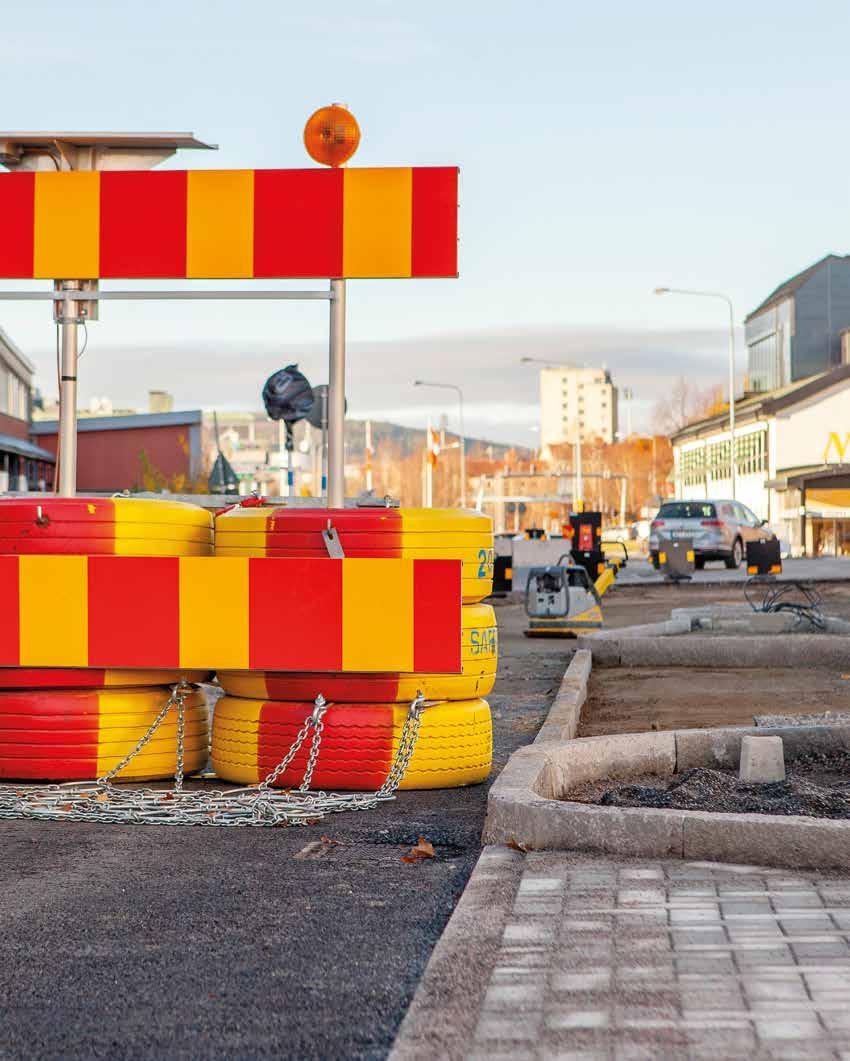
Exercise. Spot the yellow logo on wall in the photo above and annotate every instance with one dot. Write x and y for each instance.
(834, 442)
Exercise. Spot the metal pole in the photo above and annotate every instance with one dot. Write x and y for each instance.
(462, 451)
(68, 400)
(579, 482)
(733, 467)
(368, 448)
(336, 398)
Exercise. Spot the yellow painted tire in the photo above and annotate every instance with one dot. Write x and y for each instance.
(454, 746)
(71, 735)
(435, 534)
(479, 656)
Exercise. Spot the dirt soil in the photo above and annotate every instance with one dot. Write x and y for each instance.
(633, 700)
(818, 787)
(628, 605)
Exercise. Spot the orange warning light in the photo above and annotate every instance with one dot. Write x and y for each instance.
(331, 135)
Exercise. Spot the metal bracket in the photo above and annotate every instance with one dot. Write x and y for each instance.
(332, 543)
(160, 296)
(377, 502)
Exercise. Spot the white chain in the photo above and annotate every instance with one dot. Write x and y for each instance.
(254, 805)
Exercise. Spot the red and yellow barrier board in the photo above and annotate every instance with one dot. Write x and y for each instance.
(411, 533)
(74, 735)
(454, 746)
(206, 613)
(196, 224)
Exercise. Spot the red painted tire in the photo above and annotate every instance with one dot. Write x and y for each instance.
(74, 735)
(454, 747)
(479, 658)
(92, 678)
(439, 534)
(122, 526)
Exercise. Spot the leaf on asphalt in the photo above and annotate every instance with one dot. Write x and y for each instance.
(317, 848)
(516, 846)
(421, 849)
(102, 797)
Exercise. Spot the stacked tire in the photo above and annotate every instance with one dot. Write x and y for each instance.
(261, 713)
(79, 723)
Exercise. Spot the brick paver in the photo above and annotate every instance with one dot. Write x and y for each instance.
(615, 961)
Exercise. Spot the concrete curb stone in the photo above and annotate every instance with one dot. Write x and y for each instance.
(440, 1022)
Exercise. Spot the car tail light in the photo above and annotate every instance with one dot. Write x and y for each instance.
(711, 523)
(657, 523)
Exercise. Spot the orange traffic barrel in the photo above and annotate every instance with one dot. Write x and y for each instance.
(358, 743)
(412, 533)
(77, 735)
(479, 659)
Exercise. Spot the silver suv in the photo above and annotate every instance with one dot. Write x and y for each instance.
(720, 529)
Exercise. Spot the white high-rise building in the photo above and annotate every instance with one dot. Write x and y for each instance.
(576, 403)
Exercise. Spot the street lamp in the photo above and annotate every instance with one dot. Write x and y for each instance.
(453, 387)
(733, 463)
(579, 483)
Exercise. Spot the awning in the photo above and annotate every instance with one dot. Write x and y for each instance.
(20, 446)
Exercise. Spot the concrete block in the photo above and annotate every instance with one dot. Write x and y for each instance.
(766, 840)
(564, 714)
(762, 759)
(619, 756)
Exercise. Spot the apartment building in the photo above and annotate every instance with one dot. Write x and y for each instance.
(576, 403)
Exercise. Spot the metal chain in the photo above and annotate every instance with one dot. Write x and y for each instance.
(254, 805)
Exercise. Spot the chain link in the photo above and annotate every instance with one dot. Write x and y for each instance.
(254, 805)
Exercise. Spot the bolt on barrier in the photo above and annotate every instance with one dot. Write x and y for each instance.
(103, 802)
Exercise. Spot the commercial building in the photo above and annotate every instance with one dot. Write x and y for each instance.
(148, 451)
(793, 461)
(23, 465)
(576, 403)
(802, 328)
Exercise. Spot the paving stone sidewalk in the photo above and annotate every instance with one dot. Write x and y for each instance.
(618, 960)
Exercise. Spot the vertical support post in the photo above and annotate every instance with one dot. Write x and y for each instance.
(579, 498)
(368, 448)
(733, 456)
(336, 397)
(68, 324)
(429, 469)
(462, 452)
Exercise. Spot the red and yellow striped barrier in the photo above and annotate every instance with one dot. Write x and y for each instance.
(206, 613)
(93, 678)
(411, 533)
(479, 660)
(72, 735)
(454, 746)
(394, 222)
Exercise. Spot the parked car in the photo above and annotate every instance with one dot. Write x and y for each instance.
(720, 529)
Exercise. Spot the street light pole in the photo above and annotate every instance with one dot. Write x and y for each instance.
(733, 458)
(454, 387)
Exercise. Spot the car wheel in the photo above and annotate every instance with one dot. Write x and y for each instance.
(699, 562)
(733, 562)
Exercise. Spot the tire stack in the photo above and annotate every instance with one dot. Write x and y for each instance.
(79, 723)
(261, 713)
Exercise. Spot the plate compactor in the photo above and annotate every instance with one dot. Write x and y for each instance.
(562, 601)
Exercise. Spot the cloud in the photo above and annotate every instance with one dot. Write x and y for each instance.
(500, 392)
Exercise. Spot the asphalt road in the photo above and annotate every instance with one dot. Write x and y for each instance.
(149, 942)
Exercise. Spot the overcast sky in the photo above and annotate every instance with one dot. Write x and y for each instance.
(604, 150)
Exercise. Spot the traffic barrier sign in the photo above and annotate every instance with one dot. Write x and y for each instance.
(205, 613)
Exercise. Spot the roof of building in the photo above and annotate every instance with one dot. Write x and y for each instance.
(20, 446)
(122, 423)
(12, 353)
(788, 288)
(768, 403)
